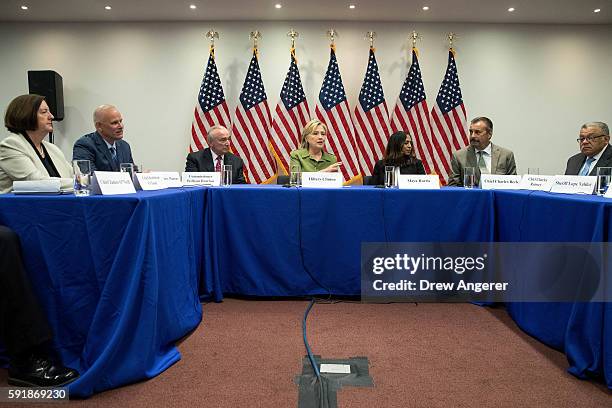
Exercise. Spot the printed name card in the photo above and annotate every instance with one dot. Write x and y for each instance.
(202, 178)
(322, 180)
(418, 182)
(573, 184)
(149, 181)
(169, 178)
(536, 182)
(111, 182)
(500, 182)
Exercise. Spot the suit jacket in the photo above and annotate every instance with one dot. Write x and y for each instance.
(575, 163)
(93, 148)
(19, 161)
(202, 161)
(378, 174)
(502, 162)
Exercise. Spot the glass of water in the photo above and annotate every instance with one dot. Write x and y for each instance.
(82, 177)
(469, 177)
(389, 176)
(127, 168)
(226, 175)
(295, 177)
(604, 175)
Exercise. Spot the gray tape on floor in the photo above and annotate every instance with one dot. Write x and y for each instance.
(312, 394)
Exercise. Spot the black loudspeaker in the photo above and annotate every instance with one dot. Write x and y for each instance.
(48, 84)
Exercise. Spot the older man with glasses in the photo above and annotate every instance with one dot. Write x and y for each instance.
(595, 150)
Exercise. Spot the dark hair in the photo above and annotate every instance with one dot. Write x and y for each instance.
(486, 121)
(393, 154)
(22, 113)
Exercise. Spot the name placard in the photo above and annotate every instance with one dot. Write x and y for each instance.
(202, 178)
(112, 182)
(322, 180)
(149, 181)
(500, 182)
(536, 182)
(169, 178)
(573, 184)
(418, 182)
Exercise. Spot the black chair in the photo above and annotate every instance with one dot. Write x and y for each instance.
(282, 179)
(367, 180)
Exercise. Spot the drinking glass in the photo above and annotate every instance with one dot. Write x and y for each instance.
(127, 168)
(226, 175)
(295, 177)
(389, 176)
(535, 171)
(82, 177)
(604, 175)
(469, 177)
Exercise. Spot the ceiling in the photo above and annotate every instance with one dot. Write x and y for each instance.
(480, 11)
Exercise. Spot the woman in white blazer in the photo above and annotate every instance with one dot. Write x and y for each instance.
(24, 155)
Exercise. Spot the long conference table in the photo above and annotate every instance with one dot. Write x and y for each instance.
(120, 277)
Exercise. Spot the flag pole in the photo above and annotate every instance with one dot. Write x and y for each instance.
(451, 37)
(371, 35)
(332, 34)
(211, 35)
(255, 36)
(414, 36)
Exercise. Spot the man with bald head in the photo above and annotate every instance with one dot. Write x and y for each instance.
(104, 148)
(595, 150)
(216, 155)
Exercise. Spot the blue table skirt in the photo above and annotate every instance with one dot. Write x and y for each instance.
(583, 331)
(117, 277)
(274, 241)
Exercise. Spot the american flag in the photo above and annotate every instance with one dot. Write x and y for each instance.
(251, 127)
(292, 114)
(411, 115)
(333, 110)
(371, 118)
(449, 119)
(211, 108)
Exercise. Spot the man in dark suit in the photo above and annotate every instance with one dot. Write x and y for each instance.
(216, 155)
(595, 150)
(23, 325)
(481, 154)
(104, 148)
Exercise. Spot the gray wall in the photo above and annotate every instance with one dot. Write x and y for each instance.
(538, 83)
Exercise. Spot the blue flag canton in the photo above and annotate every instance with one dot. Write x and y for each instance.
(292, 93)
(449, 96)
(413, 91)
(332, 92)
(371, 93)
(253, 91)
(211, 92)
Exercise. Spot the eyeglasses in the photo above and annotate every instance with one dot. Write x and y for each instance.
(588, 138)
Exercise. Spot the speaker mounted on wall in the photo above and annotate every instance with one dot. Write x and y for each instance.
(50, 85)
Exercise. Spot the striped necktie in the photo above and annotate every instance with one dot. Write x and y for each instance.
(587, 166)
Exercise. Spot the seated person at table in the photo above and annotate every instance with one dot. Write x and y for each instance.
(24, 155)
(104, 148)
(311, 156)
(23, 327)
(595, 150)
(216, 155)
(399, 153)
(484, 156)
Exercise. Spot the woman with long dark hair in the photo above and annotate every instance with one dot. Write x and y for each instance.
(399, 153)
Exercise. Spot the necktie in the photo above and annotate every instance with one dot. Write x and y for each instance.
(218, 165)
(113, 152)
(482, 165)
(587, 166)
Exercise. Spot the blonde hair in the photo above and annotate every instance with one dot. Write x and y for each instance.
(308, 129)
